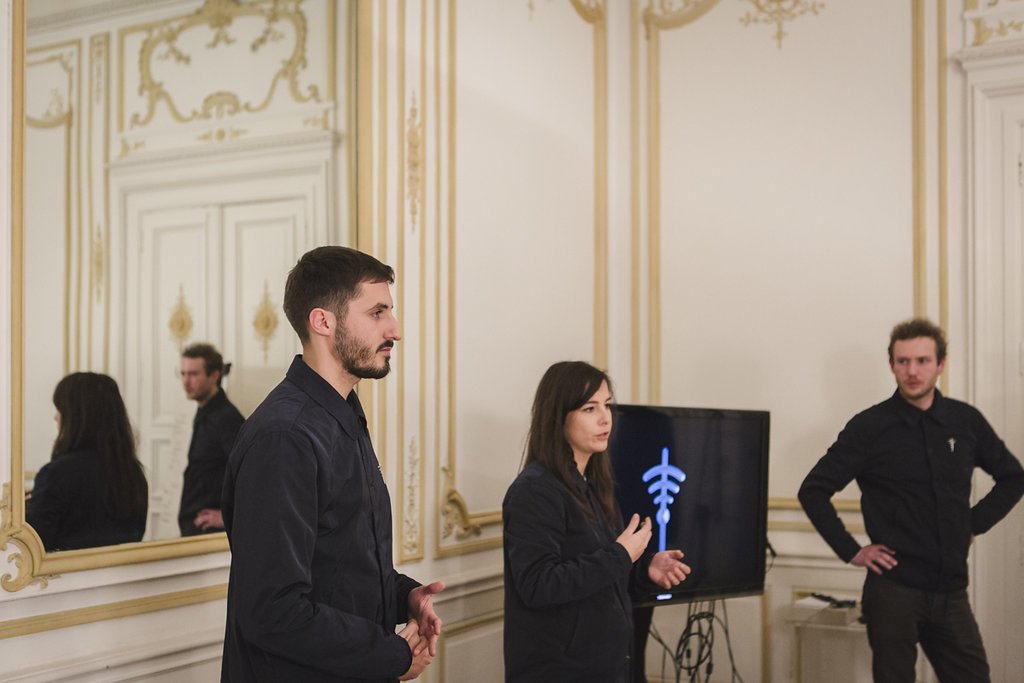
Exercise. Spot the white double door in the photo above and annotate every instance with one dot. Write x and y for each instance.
(201, 271)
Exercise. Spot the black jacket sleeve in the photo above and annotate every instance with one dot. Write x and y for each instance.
(48, 506)
(996, 460)
(837, 468)
(543, 571)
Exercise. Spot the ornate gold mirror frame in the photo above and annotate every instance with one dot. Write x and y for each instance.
(28, 563)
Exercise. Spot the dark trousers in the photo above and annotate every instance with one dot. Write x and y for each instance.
(642, 617)
(898, 618)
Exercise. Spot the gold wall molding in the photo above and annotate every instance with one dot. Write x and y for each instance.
(99, 206)
(408, 144)
(28, 548)
(919, 150)
(63, 111)
(371, 235)
(217, 17)
(669, 14)
(942, 92)
(807, 527)
(850, 505)
(594, 13)
(793, 504)
(779, 12)
(658, 16)
(455, 516)
(59, 111)
(12, 499)
(459, 628)
(115, 610)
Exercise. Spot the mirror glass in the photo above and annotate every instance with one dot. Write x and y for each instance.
(178, 158)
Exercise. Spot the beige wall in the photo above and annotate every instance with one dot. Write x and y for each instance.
(723, 210)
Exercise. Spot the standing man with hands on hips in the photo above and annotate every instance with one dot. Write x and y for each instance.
(913, 457)
(313, 592)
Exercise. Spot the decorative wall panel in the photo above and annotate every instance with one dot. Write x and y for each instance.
(503, 161)
(179, 84)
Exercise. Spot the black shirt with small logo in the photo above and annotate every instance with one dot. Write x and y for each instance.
(914, 470)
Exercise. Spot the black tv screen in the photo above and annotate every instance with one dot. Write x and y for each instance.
(701, 475)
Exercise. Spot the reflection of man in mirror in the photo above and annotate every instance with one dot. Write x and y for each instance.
(214, 429)
(313, 593)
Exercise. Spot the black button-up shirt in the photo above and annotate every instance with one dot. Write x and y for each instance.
(914, 470)
(313, 594)
(213, 433)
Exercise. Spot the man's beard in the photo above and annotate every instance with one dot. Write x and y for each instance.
(358, 360)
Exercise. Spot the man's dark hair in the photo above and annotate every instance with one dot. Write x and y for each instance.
(919, 327)
(212, 360)
(328, 278)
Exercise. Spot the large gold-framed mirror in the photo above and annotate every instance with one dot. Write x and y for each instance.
(157, 164)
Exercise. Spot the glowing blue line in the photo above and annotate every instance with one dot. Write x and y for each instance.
(664, 487)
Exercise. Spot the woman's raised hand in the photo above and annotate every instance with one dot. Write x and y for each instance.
(635, 537)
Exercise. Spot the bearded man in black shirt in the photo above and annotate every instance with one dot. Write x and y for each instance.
(913, 457)
(313, 594)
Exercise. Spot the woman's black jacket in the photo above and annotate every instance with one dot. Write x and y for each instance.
(568, 614)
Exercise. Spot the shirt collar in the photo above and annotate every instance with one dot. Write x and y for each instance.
(216, 400)
(911, 414)
(348, 411)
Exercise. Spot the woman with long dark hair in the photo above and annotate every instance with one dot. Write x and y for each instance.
(93, 491)
(569, 559)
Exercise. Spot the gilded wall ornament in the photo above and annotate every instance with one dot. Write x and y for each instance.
(164, 44)
(669, 14)
(983, 33)
(127, 148)
(97, 263)
(779, 12)
(321, 121)
(264, 322)
(411, 519)
(58, 110)
(456, 517)
(414, 161)
(180, 322)
(98, 50)
(588, 9)
(29, 550)
(973, 4)
(221, 134)
(455, 512)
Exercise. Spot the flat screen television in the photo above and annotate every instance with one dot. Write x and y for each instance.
(701, 475)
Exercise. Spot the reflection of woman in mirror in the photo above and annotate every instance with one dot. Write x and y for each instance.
(569, 558)
(93, 491)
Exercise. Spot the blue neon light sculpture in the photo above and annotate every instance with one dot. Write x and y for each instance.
(665, 488)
